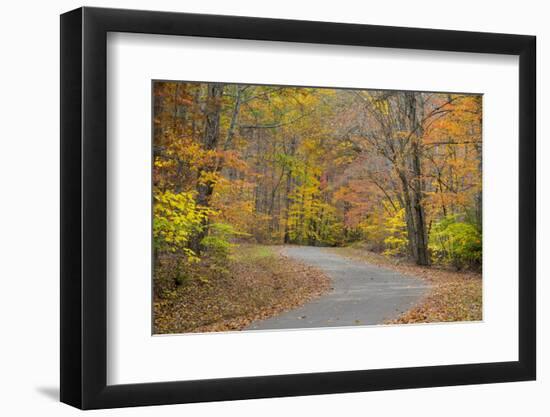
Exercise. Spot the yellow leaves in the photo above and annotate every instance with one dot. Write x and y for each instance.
(162, 163)
(175, 218)
(312, 147)
(208, 177)
(382, 105)
(312, 164)
(345, 153)
(385, 231)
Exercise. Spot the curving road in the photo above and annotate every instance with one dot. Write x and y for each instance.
(363, 294)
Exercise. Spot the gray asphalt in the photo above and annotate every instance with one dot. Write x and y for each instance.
(363, 294)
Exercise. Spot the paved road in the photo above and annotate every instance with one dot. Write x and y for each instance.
(363, 294)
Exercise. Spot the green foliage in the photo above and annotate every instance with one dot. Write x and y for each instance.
(217, 243)
(456, 243)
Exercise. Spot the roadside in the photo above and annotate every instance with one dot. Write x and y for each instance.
(455, 296)
(259, 283)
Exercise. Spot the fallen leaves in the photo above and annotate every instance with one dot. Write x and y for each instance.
(261, 283)
(455, 296)
(451, 300)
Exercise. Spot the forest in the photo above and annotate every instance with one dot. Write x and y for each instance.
(397, 173)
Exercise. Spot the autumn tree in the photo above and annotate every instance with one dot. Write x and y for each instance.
(399, 171)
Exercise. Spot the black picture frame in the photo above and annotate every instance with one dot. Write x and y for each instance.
(84, 207)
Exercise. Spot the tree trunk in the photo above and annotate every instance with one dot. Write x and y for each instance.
(420, 241)
(210, 142)
(422, 256)
(409, 216)
(479, 195)
(288, 190)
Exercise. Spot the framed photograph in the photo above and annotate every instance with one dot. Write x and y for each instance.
(258, 208)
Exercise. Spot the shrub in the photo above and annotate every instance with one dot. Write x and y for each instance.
(385, 233)
(456, 243)
(176, 218)
(217, 243)
(396, 230)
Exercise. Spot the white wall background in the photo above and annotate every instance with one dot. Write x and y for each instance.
(29, 176)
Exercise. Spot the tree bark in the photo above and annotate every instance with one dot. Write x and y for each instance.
(210, 142)
(421, 240)
(422, 256)
(288, 191)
